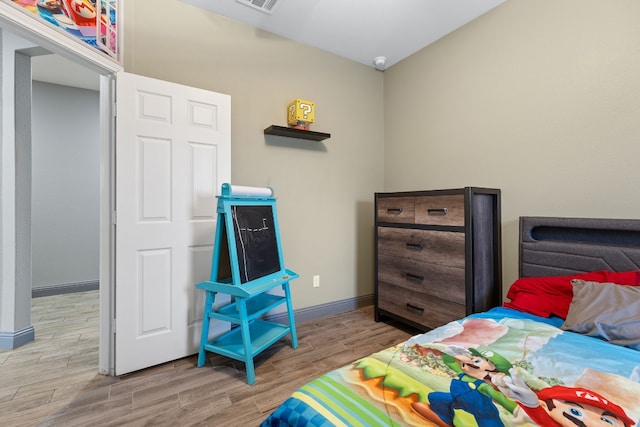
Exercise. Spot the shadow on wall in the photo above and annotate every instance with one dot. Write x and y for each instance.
(365, 251)
(301, 144)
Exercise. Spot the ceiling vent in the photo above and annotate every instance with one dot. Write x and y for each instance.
(265, 6)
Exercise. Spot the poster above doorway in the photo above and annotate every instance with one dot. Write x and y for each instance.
(93, 22)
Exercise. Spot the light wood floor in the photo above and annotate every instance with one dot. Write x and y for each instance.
(53, 381)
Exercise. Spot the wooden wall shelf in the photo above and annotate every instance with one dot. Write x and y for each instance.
(296, 133)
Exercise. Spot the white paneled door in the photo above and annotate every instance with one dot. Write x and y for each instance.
(172, 155)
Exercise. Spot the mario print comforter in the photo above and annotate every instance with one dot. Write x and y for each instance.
(500, 368)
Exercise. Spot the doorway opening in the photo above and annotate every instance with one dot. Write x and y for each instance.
(58, 198)
(65, 208)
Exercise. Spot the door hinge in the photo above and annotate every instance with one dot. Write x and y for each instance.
(114, 217)
(113, 326)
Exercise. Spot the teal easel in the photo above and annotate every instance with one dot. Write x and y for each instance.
(247, 262)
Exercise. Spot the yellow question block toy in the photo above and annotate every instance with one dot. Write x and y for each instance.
(300, 113)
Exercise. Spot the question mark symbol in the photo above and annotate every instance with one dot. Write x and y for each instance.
(306, 108)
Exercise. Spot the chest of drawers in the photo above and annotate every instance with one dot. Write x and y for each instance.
(438, 254)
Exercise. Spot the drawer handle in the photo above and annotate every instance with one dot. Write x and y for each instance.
(415, 277)
(415, 308)
(396, 211)
(415, 246)
(437, 211)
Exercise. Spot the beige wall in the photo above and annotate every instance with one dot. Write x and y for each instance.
(540, 98)
(324, 189)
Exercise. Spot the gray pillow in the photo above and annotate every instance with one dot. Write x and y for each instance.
(605, 310)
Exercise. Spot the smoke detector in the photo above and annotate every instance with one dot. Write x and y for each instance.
(379, 62)
(265, 6)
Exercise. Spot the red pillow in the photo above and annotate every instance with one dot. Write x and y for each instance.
(624, 277)
(551, 295)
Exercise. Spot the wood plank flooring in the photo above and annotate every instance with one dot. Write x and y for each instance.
(54, 380)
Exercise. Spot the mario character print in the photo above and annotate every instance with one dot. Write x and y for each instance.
(563, 406)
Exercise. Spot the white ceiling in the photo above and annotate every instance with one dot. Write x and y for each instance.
(58, 70)
(360, 30)
(357, 29)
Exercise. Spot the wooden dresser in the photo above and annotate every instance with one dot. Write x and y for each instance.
(438, 255)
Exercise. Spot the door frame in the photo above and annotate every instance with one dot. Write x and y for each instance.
(17, 21)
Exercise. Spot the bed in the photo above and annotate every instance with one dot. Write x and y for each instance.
(564, 349)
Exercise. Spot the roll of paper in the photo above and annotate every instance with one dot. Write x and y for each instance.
(241, 190)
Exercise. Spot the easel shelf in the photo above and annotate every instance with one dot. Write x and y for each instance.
(263, 335)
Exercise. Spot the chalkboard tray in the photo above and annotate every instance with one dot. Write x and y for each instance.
(250, 289)
(263, 334)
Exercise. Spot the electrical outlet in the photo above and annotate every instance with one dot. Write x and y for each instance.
(316, 281)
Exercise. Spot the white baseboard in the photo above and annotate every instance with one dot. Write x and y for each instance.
(11, 340)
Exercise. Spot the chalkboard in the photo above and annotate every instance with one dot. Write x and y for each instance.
(256, 241)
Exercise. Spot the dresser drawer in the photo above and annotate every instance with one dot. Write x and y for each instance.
(436, 280)
(440, 247)
(439, 210)
(396, 209)
(425, 310)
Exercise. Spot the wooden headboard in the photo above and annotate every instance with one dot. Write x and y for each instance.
(551, 246)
